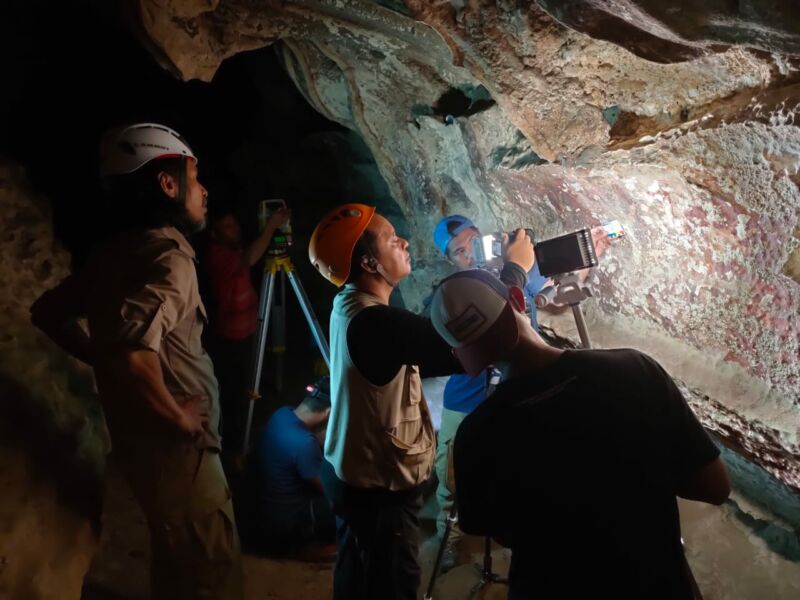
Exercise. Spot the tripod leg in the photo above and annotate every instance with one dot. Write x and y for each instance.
(278, 325)
(316, 330)
(265, 305)
(487, 558)
(581, 323)
(451, 520)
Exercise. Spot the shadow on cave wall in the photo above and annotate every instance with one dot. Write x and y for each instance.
(53, 450)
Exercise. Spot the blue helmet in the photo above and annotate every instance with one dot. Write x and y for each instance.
(448, 228)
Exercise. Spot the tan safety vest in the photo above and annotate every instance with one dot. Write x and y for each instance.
(378, 436)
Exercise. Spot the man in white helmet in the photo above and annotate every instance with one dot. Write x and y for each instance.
(145, 317)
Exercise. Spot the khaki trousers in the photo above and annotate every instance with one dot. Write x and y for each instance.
(187, 502)
(451, 419)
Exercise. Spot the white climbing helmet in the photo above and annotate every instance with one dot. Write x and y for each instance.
(125, 149)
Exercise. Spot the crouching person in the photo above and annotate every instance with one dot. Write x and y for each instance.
(291, 511)
(576, 460)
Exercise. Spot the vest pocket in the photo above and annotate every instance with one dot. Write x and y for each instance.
(411, 441)
(412, 436)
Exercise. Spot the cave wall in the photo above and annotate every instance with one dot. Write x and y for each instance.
(52, 438)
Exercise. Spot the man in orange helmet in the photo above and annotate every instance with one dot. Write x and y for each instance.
(380, 443)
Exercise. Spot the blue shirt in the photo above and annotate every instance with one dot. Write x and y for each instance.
(287, 454)
(463, 393)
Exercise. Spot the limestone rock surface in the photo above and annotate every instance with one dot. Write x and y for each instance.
(52, 440)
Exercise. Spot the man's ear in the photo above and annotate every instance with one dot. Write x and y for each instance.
(369, 264)
(168, 184)
(516, 298)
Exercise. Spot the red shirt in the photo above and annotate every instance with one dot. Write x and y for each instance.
(235, 299)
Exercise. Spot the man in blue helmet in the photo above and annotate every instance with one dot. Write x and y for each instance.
(453, 235)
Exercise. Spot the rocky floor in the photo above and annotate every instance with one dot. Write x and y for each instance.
(729, 562)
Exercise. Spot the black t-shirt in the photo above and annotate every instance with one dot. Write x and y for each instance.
(575, 467)
(381, 339)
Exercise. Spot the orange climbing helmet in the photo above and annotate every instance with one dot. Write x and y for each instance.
(335, 237)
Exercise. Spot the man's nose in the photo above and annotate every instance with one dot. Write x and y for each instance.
(404, 243)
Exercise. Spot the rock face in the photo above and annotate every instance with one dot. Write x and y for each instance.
(52, 442)
(687, 137)
(666, 32)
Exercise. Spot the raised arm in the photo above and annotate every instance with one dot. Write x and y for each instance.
(256, 249)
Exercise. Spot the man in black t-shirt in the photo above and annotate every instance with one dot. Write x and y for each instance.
(602, 443)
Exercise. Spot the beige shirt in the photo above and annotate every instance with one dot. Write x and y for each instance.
(144, 292)
(377, 436)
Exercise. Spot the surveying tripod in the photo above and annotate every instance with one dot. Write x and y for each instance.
(486, 574)
(274, 267)
(568, 289)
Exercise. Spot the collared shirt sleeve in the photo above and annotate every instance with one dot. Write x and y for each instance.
(167, 296)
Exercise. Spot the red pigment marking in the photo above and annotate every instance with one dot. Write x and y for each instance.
(729, 212)
(697, 215)
(723, 268)
(736, 358)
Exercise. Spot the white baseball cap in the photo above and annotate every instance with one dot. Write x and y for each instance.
(473, 311)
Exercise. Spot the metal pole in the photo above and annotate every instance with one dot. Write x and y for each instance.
(265, 305)
(452, 519)
(278, 324)
(579, 321)
(316, 330)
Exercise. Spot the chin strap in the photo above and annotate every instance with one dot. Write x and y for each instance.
(382, 272)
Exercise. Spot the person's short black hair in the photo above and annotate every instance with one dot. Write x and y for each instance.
(139, 199)
(365, 246)
(318, 395)
(143, 183)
